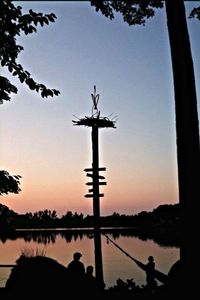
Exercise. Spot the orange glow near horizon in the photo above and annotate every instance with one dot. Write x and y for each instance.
(57, 182)
(135, 83)
(60, 185)
(129, 197)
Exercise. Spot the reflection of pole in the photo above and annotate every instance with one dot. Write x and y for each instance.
(96, 206)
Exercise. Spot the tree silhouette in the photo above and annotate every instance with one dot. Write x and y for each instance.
(13, 23)
(8, 183)
(187, 129)
(195, 13)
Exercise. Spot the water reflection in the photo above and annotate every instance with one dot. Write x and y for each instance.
(60, 244)
(47, 236)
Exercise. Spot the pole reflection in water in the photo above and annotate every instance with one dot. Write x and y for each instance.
(60, 245)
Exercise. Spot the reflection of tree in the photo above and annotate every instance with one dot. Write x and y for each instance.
(40, 237)
(44, 237)
(162, 225)
(66, 236)
(49, 236)
(28, 238)
(72, 235)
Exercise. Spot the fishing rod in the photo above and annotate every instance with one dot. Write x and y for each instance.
(126, 253)
(158, 275)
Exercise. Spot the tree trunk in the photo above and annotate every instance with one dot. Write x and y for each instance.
(187, 129)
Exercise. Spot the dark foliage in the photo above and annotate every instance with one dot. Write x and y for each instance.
(37, 276)
(43, 277)
(14, 23)
(6, 217)
(9, 183)
(195, 13)
(162, 225)
(133, 12)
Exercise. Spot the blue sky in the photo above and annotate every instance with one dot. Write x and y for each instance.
(131, 68)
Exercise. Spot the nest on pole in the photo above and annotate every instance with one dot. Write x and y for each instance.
(101, 122)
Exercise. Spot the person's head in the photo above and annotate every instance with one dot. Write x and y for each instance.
(150, 258)
(89, 270)
(77, 255)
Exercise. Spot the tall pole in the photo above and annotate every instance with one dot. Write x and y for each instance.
(96, 205)
(96, 122)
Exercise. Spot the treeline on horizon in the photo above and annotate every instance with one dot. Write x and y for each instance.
(164, 218)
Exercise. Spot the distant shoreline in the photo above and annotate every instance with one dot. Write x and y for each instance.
(75, 229)
(163, 224)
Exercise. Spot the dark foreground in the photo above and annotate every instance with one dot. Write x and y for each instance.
(41, 277)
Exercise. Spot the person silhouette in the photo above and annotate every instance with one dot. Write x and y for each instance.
(89, 272)
(92, 287)
(150, 274)
(76, 268)
(90, 284)
(76, 273)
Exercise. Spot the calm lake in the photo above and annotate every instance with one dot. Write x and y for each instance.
(61, 244)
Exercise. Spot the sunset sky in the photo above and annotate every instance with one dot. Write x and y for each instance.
(131, 68)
